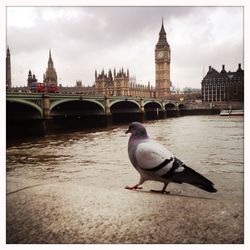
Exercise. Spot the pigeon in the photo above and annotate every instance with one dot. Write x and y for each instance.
(154, 162)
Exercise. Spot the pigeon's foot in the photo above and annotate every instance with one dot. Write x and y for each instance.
(159, 191)
(135, 187)
(163, 191)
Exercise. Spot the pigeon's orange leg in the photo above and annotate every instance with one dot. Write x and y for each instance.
(161, 191)
(134, 187)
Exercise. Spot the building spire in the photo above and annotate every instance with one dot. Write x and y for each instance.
(50, 62)
(162, 31)
(8, 50)
(162, 42)
(8, 69)
(50, 75)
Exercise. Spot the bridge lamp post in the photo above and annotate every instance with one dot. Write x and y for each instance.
(172, 88)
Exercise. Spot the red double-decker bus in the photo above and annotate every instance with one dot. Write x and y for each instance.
(52, 88)
(42, 87)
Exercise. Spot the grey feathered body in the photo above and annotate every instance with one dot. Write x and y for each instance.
(132, 150)
(154, 162)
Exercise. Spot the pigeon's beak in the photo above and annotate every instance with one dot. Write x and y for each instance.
(128, 131)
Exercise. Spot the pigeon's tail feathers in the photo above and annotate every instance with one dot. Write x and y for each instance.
(190, 176)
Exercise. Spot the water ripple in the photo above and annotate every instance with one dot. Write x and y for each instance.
(209, 144)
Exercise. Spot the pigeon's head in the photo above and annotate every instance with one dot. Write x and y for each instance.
(137, 129)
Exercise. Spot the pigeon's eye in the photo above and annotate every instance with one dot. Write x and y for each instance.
(131, 127)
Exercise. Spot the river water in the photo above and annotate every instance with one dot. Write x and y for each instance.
(212, 145)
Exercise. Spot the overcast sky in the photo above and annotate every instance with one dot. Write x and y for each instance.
(83, 39)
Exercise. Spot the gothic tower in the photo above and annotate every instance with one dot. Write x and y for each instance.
(8, 70)
(31, 79)
(50, 76)
(162, 65)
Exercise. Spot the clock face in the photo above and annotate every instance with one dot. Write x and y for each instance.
(160, 54)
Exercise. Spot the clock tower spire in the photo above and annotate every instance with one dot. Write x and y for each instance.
(162, 65)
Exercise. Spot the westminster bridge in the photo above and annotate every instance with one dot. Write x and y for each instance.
(46, 111)
(47, 106)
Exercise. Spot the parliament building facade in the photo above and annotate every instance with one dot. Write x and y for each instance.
(120, 84)
(223, 86)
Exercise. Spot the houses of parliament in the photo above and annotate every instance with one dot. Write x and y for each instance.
(112, 83)
(120, 84)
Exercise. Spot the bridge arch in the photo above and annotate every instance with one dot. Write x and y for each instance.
(56, 103)
(76, 108)
(152, 105)
(181, 106)
(124, 106)
(26, 103)
(170, 106)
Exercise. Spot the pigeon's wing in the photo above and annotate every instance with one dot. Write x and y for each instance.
(152, 156)
(157, 163)
(188, 175)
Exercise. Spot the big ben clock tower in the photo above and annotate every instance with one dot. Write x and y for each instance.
(162, 66)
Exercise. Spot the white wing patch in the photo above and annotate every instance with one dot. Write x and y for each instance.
(179, 169)
(150, 154)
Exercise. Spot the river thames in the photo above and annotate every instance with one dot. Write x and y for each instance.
(69, 187)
